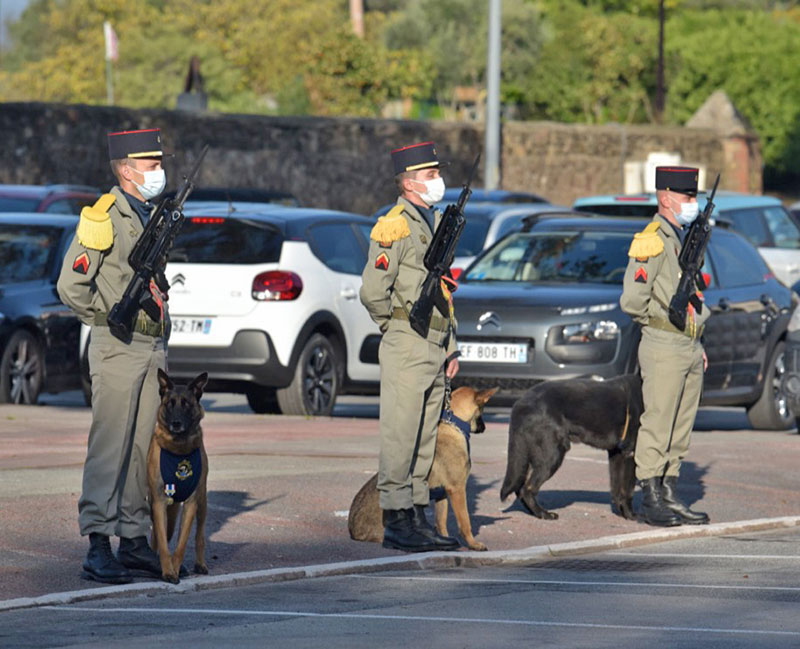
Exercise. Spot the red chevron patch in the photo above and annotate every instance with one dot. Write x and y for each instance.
(640, 275)
(382, 261)
(81, 263)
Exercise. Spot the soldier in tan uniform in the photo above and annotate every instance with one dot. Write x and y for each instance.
(412, 368)
(672, 361)
(125, 397)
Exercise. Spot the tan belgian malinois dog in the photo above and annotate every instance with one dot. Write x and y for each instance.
(177, 470)
(450, 470)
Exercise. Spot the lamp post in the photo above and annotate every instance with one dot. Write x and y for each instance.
(492, 169)
(660, 71)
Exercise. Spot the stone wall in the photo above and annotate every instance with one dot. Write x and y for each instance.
(344, 163)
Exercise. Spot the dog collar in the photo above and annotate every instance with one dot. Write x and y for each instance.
(464, 426)
(180, 474)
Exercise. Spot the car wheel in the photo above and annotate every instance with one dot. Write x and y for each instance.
(21, 369)
(771, 411)
(315, 383)
(263, 400)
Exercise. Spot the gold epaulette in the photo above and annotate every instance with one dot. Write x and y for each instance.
(94, 229)
(391, 227)
(646, 243)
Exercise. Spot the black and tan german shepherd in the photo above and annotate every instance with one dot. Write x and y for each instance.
(450, 470)
(177, 471)
(552, 414)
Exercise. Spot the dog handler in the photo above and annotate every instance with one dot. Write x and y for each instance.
(124, 376)
(412, 368)
(672, 361)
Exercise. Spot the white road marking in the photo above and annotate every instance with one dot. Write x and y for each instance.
(424, 618)
(680, 555)
(558, 582)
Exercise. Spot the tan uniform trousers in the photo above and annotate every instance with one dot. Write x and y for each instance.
(412, 393)
(672, 381)
(125, 400)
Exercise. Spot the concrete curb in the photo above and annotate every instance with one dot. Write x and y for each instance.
(405, 562)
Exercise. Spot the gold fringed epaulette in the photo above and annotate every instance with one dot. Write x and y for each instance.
(646, 243)
(94, 228)
(391, 227)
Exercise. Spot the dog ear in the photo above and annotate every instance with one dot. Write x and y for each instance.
(198, 384)
(484, 395)
(164, 382)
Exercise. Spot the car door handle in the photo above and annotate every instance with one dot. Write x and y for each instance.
(348, 293)
(724, 304)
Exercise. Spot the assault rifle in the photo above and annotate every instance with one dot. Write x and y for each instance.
(148, 258)
(691, 261)
(439, 257)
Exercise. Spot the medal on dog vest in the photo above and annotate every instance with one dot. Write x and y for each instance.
(180, 474)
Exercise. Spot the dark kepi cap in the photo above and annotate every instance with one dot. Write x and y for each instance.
(135, 144)
(677, 179)
(415, 156)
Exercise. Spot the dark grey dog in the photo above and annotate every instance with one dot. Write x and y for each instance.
(550, 416)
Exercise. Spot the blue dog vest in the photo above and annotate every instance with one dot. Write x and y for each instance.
(181, 473)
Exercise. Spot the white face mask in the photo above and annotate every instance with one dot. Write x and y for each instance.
(154, 183)
(688, 213)
(434, 190)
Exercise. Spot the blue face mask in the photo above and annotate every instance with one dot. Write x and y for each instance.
(688, 213)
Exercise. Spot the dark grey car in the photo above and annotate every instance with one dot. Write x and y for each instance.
(544, 303)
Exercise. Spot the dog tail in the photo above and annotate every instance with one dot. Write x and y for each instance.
(516, 466)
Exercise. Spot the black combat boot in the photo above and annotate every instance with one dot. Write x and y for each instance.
(422, 526)
(654, 511)
(138, 557)
(100, 564)
(669, 493)
(399, 532)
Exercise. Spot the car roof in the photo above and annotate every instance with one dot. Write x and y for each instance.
(39, 218)
(41, 191)
(495, 196)
(292, 221)
(723, 200)
(238, 194)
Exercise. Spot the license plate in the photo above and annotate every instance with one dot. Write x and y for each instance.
(191, 325)
(493, 352)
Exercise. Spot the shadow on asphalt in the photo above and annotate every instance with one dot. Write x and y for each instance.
(691, 488)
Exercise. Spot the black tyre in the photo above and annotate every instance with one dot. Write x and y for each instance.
(771, 411)
(316, 380)
(263, 401)
(21, 369)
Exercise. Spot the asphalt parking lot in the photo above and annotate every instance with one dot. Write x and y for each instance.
(722, 592)
(279, 491)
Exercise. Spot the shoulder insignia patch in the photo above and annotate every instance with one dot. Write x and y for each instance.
(391, 227)
(382, 261)
(81, 263)
(94, 228)
(646, 243)
(640, 275)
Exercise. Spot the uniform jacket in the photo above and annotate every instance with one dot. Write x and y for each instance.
(395, 270)
(653, 273)
(93, 280)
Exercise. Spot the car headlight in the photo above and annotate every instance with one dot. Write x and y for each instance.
(587, 332)
(587, 343)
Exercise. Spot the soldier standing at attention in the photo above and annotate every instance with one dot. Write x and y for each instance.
(125, 394)
(672, 361)
(412, 368)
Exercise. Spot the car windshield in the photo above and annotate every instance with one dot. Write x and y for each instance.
(14, 204)
(26, 251)
(218, 240)
(474, 235)
(556, 256)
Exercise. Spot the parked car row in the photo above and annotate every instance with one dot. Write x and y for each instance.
(265, 298)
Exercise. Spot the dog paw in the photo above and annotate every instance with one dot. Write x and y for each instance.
(200, 569)
(549, 516)
(172, 579)
(477, 545)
